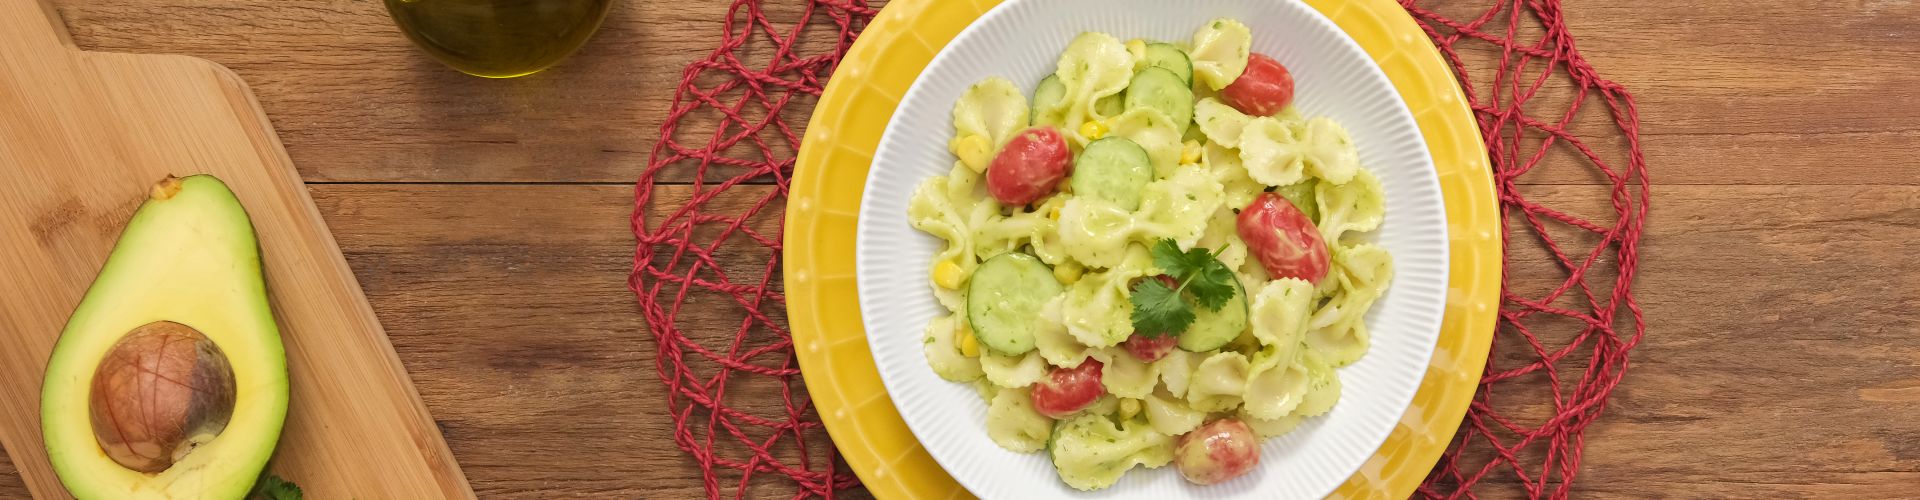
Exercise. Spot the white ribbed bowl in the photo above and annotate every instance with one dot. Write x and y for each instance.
(1020, 40)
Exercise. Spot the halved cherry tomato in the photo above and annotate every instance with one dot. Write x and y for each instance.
(1262, 90)
(1150, 348)
(1220, 450)
(1029, 166)
(1068, 390)
(1282, 238)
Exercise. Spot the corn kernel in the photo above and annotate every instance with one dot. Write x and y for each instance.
(948, 275)
(969, 345)
(1068, 272)
(973, 150)
(1093, 130)
(1129, 407)
(1190, 152)
(1054, 213)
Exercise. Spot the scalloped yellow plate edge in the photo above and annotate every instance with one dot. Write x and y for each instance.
(823, 306)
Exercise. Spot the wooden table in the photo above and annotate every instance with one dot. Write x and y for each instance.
(487, 221)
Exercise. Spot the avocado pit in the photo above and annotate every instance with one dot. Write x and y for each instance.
(161, 391)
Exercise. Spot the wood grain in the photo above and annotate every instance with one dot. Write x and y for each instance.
(1797, 91)
(83, 138)
(1782, 360)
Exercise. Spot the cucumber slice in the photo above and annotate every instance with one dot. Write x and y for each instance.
(1113, 169)
(1166, 55)
(1003, 298)
(1049, 99)
(1212, 329)
(1161, 89)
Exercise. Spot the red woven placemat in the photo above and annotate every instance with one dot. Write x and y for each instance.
(733, 129)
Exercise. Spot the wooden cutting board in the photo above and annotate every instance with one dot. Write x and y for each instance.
(82, 137)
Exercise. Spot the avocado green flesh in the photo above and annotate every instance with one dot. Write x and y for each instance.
(190, 258)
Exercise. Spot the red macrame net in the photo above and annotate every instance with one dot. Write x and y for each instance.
(713, 244)
(1564, 335)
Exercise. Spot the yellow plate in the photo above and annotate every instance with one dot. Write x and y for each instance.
(823, 306)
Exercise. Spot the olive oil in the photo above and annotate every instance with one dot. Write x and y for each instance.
(498, 38)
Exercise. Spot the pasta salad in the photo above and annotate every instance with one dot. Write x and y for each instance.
(1151, 258)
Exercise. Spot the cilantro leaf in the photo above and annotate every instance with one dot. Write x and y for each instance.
(1197, 272)
(1170, 259)
(272, 487)
(1179, 264)
(1158, 309)
(1212, 285)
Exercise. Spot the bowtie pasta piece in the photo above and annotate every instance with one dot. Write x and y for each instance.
(993, 109)
(1323, 386)
(986, 390)
(1218, 382)
(1237, 188)
(1094, 66)
(1364, 268)
(997, 233)
(1219, 122)
(1170, 415)
(1013, 424)
(1271, 153)
(1222, 237)
(1127, 376)
(1012, 371)
(1051, 339)
(1095, 232)
(1176, 371)
(1345, 337)
(1357, 206)
(1178, 207)
(1220, 51)
(1091, 452)
(1329, 152)
(934, 209)
(1280, 312)
(1278, 152)
(944, 356)
(1270, 428)
(1275, 385)
(1096, 310)
(1339, 329)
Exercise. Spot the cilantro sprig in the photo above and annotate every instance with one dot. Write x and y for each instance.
(1161, 309)
(272, 487)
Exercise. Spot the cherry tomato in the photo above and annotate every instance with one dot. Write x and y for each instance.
(1262, 90)
(1029, 167)
(1068, 390)
(1220, 450)
(1150, 348)
(1282, 238)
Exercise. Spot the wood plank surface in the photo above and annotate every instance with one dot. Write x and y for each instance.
(1782, 360)
(1798, 91)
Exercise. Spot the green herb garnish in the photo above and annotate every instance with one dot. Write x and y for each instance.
(1160, 309)
(272, 487)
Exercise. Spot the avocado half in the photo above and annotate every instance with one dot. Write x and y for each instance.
(169, 381)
